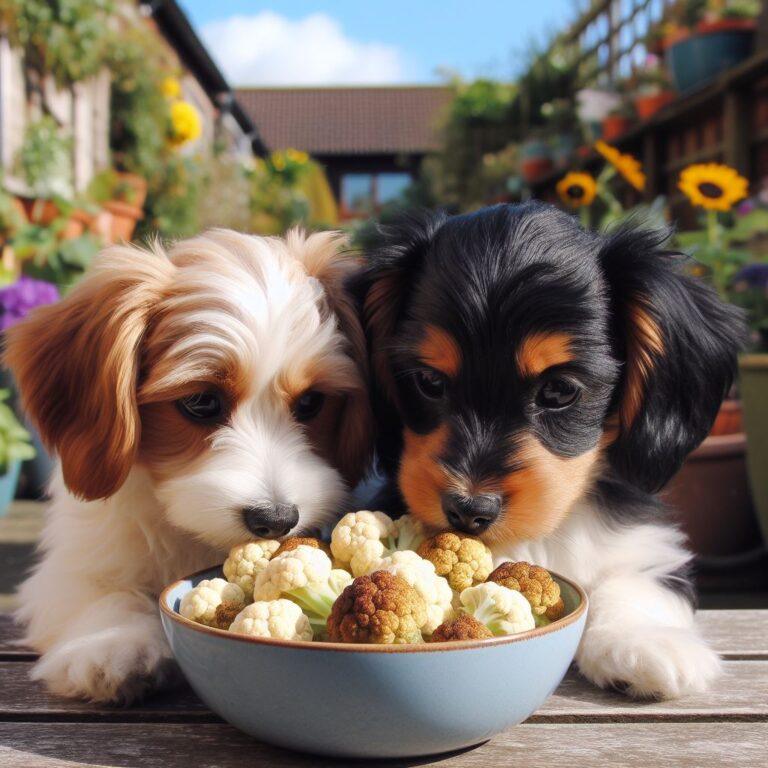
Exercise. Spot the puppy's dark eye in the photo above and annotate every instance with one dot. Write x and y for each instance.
(202, 406)
(557, 394)
(308, 405)
(430, 383)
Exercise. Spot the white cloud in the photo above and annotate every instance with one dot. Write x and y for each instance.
(269, 49)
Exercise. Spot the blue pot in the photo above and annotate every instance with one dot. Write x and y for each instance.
(372, 701)
(698, 59)
(8, 483)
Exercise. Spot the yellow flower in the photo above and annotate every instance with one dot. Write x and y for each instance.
(577, 189)
(630, 168)
(297, 156)
(185, 123)
(713, 187)
(278, 161)
(170, 88)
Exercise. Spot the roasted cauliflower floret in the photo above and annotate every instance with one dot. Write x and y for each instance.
(420, 574)
(504, 611)
(536, 585)
(288, 545)
(358, 540)
(306, 576)
(202, 603)
(274, 618)
(379, 608)
(246, 560)
(463, 560)
(463, 627)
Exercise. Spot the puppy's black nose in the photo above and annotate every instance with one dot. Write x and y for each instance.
(471, 514)
(270, 521)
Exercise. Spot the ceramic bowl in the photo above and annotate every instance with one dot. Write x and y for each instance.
(372, 701)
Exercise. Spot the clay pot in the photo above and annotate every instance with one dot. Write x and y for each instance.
(40, 211)
(139, 186)
(648, 106)
(124, 219)
(615, 126)
(729, 419)
(711, 498)
(78, 222)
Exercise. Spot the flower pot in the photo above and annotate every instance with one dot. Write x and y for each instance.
(710, 496)
(124, 219)
(535, 159)
(8, 482)
(40, 211)
(729, 419)
(648, 106)
(615, 126)
(78, 222)
(753, 383)
(139, 186)
(695, 58)
(593, 104)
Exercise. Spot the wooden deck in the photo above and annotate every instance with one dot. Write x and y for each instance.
(579, 727)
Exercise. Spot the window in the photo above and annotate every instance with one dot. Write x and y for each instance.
(364, 193)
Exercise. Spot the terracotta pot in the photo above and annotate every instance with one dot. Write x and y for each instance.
(124, 219)
(615, 126)
(648, 106)
(711, 497)
(139, 186)
(40, 211)
(78, 222)
(535, 167)
(729, 419)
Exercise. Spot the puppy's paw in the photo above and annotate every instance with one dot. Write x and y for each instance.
(651, 662)
(115, 666)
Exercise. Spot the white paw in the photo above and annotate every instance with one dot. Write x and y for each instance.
(116, 665)
(655, 662)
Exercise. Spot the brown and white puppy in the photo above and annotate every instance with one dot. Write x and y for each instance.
(535, 385)
(195, 398)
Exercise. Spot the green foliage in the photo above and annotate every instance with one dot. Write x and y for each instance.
(15, 441)
(67, 39)
(45, 159)
(108, 185)
(485, 100)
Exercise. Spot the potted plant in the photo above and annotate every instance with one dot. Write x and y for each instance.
(718, 35)
(15, 447)
(712, 490)
(122, 195)
(651, 88)
(618, 120)
(535, 158)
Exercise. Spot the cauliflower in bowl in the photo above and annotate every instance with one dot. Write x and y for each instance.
(211, 602)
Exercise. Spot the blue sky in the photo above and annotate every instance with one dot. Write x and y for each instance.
(354, 41)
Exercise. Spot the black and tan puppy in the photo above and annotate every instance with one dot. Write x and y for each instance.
(535, 385)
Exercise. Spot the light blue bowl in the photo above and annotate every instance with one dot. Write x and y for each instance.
(372, 701)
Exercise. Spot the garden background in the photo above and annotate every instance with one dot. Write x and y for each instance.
(117, 123)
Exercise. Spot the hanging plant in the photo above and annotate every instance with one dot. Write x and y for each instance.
(67, 39)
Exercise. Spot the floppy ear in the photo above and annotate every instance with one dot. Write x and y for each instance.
(678, 343)
(77, 364)
(381, 291)
(326, 257)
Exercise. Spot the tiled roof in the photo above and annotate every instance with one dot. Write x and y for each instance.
(348, 121)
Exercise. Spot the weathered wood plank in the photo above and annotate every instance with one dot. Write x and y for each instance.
(56, 745)
(735, 634)
(742, 694)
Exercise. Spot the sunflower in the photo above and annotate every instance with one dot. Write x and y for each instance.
(577, 189)
(713, 187)
(626, 165)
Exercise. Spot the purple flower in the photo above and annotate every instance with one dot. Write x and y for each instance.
(752, 276)
(19, 298)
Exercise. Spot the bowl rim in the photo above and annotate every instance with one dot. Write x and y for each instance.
(427, 647)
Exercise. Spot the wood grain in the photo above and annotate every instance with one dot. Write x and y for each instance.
(206, 745)
(742, 694)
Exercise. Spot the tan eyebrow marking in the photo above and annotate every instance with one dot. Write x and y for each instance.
(439, 350)
(540, 351)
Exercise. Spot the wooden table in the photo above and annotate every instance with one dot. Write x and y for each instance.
(579, 726)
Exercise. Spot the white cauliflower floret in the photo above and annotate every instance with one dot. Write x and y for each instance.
(358, 539)
(420, 574)
(504, 611)
(246, 560)
(201, 602)
(273, 618)
(409, 534)
(306, 576)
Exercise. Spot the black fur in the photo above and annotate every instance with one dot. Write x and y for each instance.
(493, 277)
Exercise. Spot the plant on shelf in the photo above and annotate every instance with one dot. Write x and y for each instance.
(15, 441)
(650, 87)
(45, 160)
